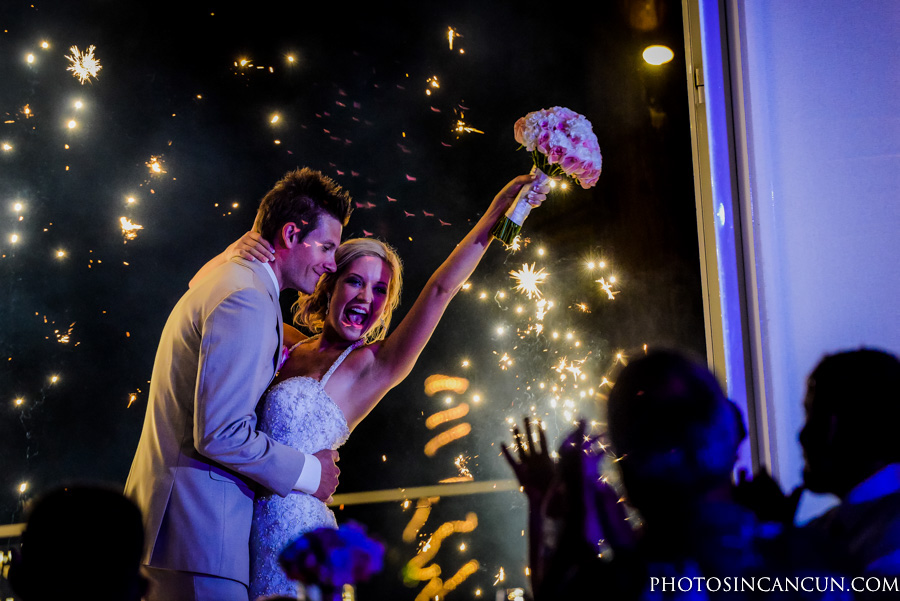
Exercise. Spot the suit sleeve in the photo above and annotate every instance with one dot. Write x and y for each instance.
(235, 366)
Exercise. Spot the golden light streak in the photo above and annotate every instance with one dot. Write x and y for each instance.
(442, 417)
(84, 66)
(433, 544)
(461, 575)
(419, 517)
(129, 228)
(445, 438)
(439, 383)
(527, 280)
(131, 399)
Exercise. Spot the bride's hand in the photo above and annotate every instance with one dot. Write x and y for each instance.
(252, 247)
(507, 195)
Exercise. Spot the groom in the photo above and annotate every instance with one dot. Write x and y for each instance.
(200, 455)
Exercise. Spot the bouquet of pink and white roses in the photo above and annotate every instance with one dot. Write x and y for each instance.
(562, 143)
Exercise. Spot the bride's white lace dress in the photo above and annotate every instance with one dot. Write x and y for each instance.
(297, 412)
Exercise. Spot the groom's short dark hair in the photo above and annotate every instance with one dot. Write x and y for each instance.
(301, 196)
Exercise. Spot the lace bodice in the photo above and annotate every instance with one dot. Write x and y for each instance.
(297, 412)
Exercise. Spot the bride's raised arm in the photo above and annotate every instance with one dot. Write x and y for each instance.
(397, 354)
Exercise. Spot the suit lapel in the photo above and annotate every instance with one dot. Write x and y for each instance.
(266, 278)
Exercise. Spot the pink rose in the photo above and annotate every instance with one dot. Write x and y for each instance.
(519, 130)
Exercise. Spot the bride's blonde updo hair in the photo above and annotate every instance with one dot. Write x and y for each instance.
(310, 309)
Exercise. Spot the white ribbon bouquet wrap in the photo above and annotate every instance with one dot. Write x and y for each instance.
(562, 144)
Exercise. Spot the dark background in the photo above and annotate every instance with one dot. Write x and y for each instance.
(353, 105)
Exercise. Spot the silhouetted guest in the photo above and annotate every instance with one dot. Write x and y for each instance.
(850, 444)
(80, 542)
(676, 436)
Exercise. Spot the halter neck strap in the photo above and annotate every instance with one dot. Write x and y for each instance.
(340, 359)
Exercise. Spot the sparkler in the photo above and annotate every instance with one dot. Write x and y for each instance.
(527, 280)
(84, 65)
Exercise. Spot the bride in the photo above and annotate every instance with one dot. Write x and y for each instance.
(333, 379)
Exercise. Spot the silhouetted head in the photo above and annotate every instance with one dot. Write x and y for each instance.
(81, 540)
(677, 432)
(852, 418)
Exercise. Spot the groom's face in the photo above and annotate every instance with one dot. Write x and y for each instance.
(314, 255)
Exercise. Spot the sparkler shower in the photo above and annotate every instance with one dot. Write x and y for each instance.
(127, 165)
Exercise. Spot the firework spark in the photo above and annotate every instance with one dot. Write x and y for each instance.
(155, 165)
(606, 286)
(84, 65)
(527, 280)
(129, 229)
(463, 128)
(451, 34)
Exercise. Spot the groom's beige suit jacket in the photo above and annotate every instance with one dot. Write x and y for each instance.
(200, 453)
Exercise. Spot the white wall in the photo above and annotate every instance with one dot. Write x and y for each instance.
(819, 106)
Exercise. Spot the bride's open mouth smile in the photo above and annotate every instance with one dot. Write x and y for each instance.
(355, 317)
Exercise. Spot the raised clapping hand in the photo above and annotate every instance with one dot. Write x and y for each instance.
(534, 468)
(764, 497)
(592, 507)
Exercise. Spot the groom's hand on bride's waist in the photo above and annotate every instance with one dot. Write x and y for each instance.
(330, 472)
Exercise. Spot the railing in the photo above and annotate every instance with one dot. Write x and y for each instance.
(371, 496)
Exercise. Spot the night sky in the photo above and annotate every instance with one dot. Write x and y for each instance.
(84, 304)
